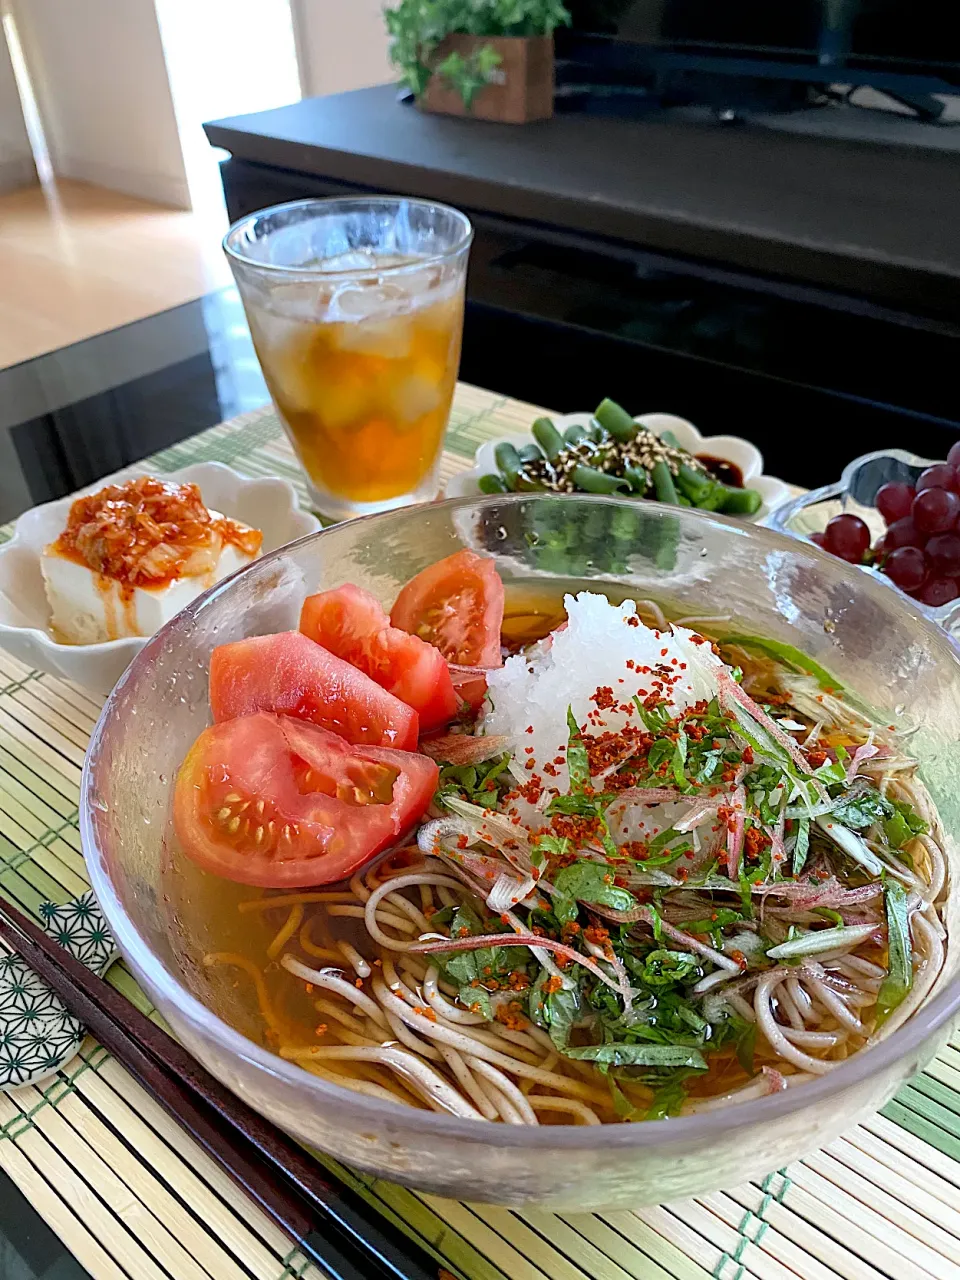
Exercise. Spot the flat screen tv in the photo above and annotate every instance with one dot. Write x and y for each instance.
(909, 38)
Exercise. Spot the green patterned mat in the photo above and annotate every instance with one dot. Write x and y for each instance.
(135, 1200)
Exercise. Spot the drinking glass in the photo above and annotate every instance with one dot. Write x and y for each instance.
(356, 312)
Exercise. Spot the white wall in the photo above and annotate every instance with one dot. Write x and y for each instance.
(224, 58)
(343, 45)
(101, 84)
(16, 159)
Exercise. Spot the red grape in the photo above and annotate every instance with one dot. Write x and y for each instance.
(848, 537)
(907, 567)
(940, 476)
(953, 457)
(902, 533)
(943, 552)
(894, 500)
(938, 591)
(819, 538)
(935, 510)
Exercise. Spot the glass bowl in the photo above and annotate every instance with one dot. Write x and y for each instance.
(867, 635)
(855, 492)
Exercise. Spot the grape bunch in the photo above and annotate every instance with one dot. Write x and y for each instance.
(920, 550)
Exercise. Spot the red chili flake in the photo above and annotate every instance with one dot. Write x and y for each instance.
(603, 697)
(528, 729)
(632, 620)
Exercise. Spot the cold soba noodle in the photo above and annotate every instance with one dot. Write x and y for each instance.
(711, 879)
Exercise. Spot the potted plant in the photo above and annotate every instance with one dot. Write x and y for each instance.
(492, 59)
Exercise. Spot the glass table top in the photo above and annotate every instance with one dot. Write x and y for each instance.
(71, 416)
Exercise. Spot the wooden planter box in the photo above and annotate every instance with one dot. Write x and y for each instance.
(522, 86)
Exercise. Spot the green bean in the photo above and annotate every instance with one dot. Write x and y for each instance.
(684, 501)
(623, 526)
(741, 502)
(509, 463)
(492, 484)
(595, 432)
(693, 483)
(670, 439)
(663, 485)
(637, 478)
(616, 421)
(530, 453)
(590, 480)
(576, 432)
(548, 438)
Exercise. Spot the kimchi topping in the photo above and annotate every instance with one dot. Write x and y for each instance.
(149, 532)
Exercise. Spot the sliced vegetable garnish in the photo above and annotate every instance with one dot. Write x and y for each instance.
(899, 980)
(639, 1055)
(789, 655)
(817, 941)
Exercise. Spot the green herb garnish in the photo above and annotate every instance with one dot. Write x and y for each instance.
(896, 985)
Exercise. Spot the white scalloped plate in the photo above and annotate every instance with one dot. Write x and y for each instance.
(269, 504)
(730, 448)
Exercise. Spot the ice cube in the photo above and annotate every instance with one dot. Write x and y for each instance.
(344, 403)
(353, 260)
(414, 397)
(363, 301)
(390, 338)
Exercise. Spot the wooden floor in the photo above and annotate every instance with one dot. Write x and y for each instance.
(76, 260)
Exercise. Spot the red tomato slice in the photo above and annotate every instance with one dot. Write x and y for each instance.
(280, 803)
(470, 685)
(288, 673)
(457, 606)
(352, 624)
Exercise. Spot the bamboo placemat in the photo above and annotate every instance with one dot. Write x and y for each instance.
(134, 1199)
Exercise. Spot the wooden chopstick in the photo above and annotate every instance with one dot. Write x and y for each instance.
(331, 1224)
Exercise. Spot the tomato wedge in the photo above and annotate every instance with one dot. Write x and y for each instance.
(290, 674)
(470, 685)
(457, 606)
(280, 803)
(352, 623)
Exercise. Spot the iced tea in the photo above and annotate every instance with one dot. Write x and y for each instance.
(363, 374)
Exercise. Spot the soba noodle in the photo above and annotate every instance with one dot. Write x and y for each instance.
(491, 973)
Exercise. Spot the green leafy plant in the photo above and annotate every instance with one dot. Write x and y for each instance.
(417, 28)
